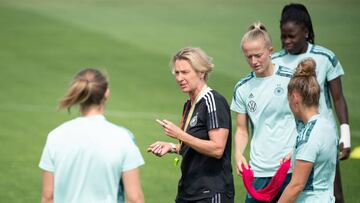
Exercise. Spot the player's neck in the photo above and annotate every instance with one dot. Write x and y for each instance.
(308, 113)
(93, 110)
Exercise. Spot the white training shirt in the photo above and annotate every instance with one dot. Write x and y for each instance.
(264, 100)
(87, 156)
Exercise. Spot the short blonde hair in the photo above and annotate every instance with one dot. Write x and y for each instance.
(198, 59)
(256, 31)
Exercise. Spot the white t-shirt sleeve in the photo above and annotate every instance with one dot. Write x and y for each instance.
(133, 158)
(46, 162)
(334, 69)
(238, 104)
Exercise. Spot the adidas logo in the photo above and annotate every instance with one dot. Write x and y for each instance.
(251, 96)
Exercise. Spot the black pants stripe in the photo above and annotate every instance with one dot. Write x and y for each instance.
(217, 198)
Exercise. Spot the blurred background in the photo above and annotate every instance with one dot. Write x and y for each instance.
(44, 43)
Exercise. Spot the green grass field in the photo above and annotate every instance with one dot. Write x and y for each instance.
(44, 43)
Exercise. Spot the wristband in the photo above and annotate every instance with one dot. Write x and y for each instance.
(345, 135)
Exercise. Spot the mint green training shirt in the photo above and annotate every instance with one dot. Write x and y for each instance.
(264, 100)
(317, 143)
(87, 156)
(328, 68)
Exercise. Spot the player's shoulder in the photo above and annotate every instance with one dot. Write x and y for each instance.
(320, 51)
(321, 129)
(116, 130)
(283, 71)
(319, 124)
(279, 54)
(244, 80)
(324, 123)
(67, 125)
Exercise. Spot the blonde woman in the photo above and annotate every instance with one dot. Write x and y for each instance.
(89, 159)
(260, 99)
(204, 133)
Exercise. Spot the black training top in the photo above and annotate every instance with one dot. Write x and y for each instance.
(204, 176)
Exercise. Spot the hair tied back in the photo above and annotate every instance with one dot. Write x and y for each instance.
(257, 26)
(306, 68)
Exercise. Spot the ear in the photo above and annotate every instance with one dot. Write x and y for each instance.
(107, 94)
(202, 75)
(271, 49)
(297, 97)
(306, 33)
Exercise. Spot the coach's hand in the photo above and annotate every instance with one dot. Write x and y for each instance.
(170, 129)
(160, 148)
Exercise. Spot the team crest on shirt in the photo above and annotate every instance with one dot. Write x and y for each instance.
(251, 106)
(193, 121)
(279, 90)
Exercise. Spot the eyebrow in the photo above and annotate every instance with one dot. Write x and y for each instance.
(260, 53)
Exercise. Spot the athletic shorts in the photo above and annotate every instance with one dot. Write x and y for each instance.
(262, 182)
(218, 198)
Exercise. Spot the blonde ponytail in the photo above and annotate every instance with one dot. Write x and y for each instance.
(257, 31)
(87, 88)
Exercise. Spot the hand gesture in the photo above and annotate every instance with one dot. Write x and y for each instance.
(170, 129)
(159, 148)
